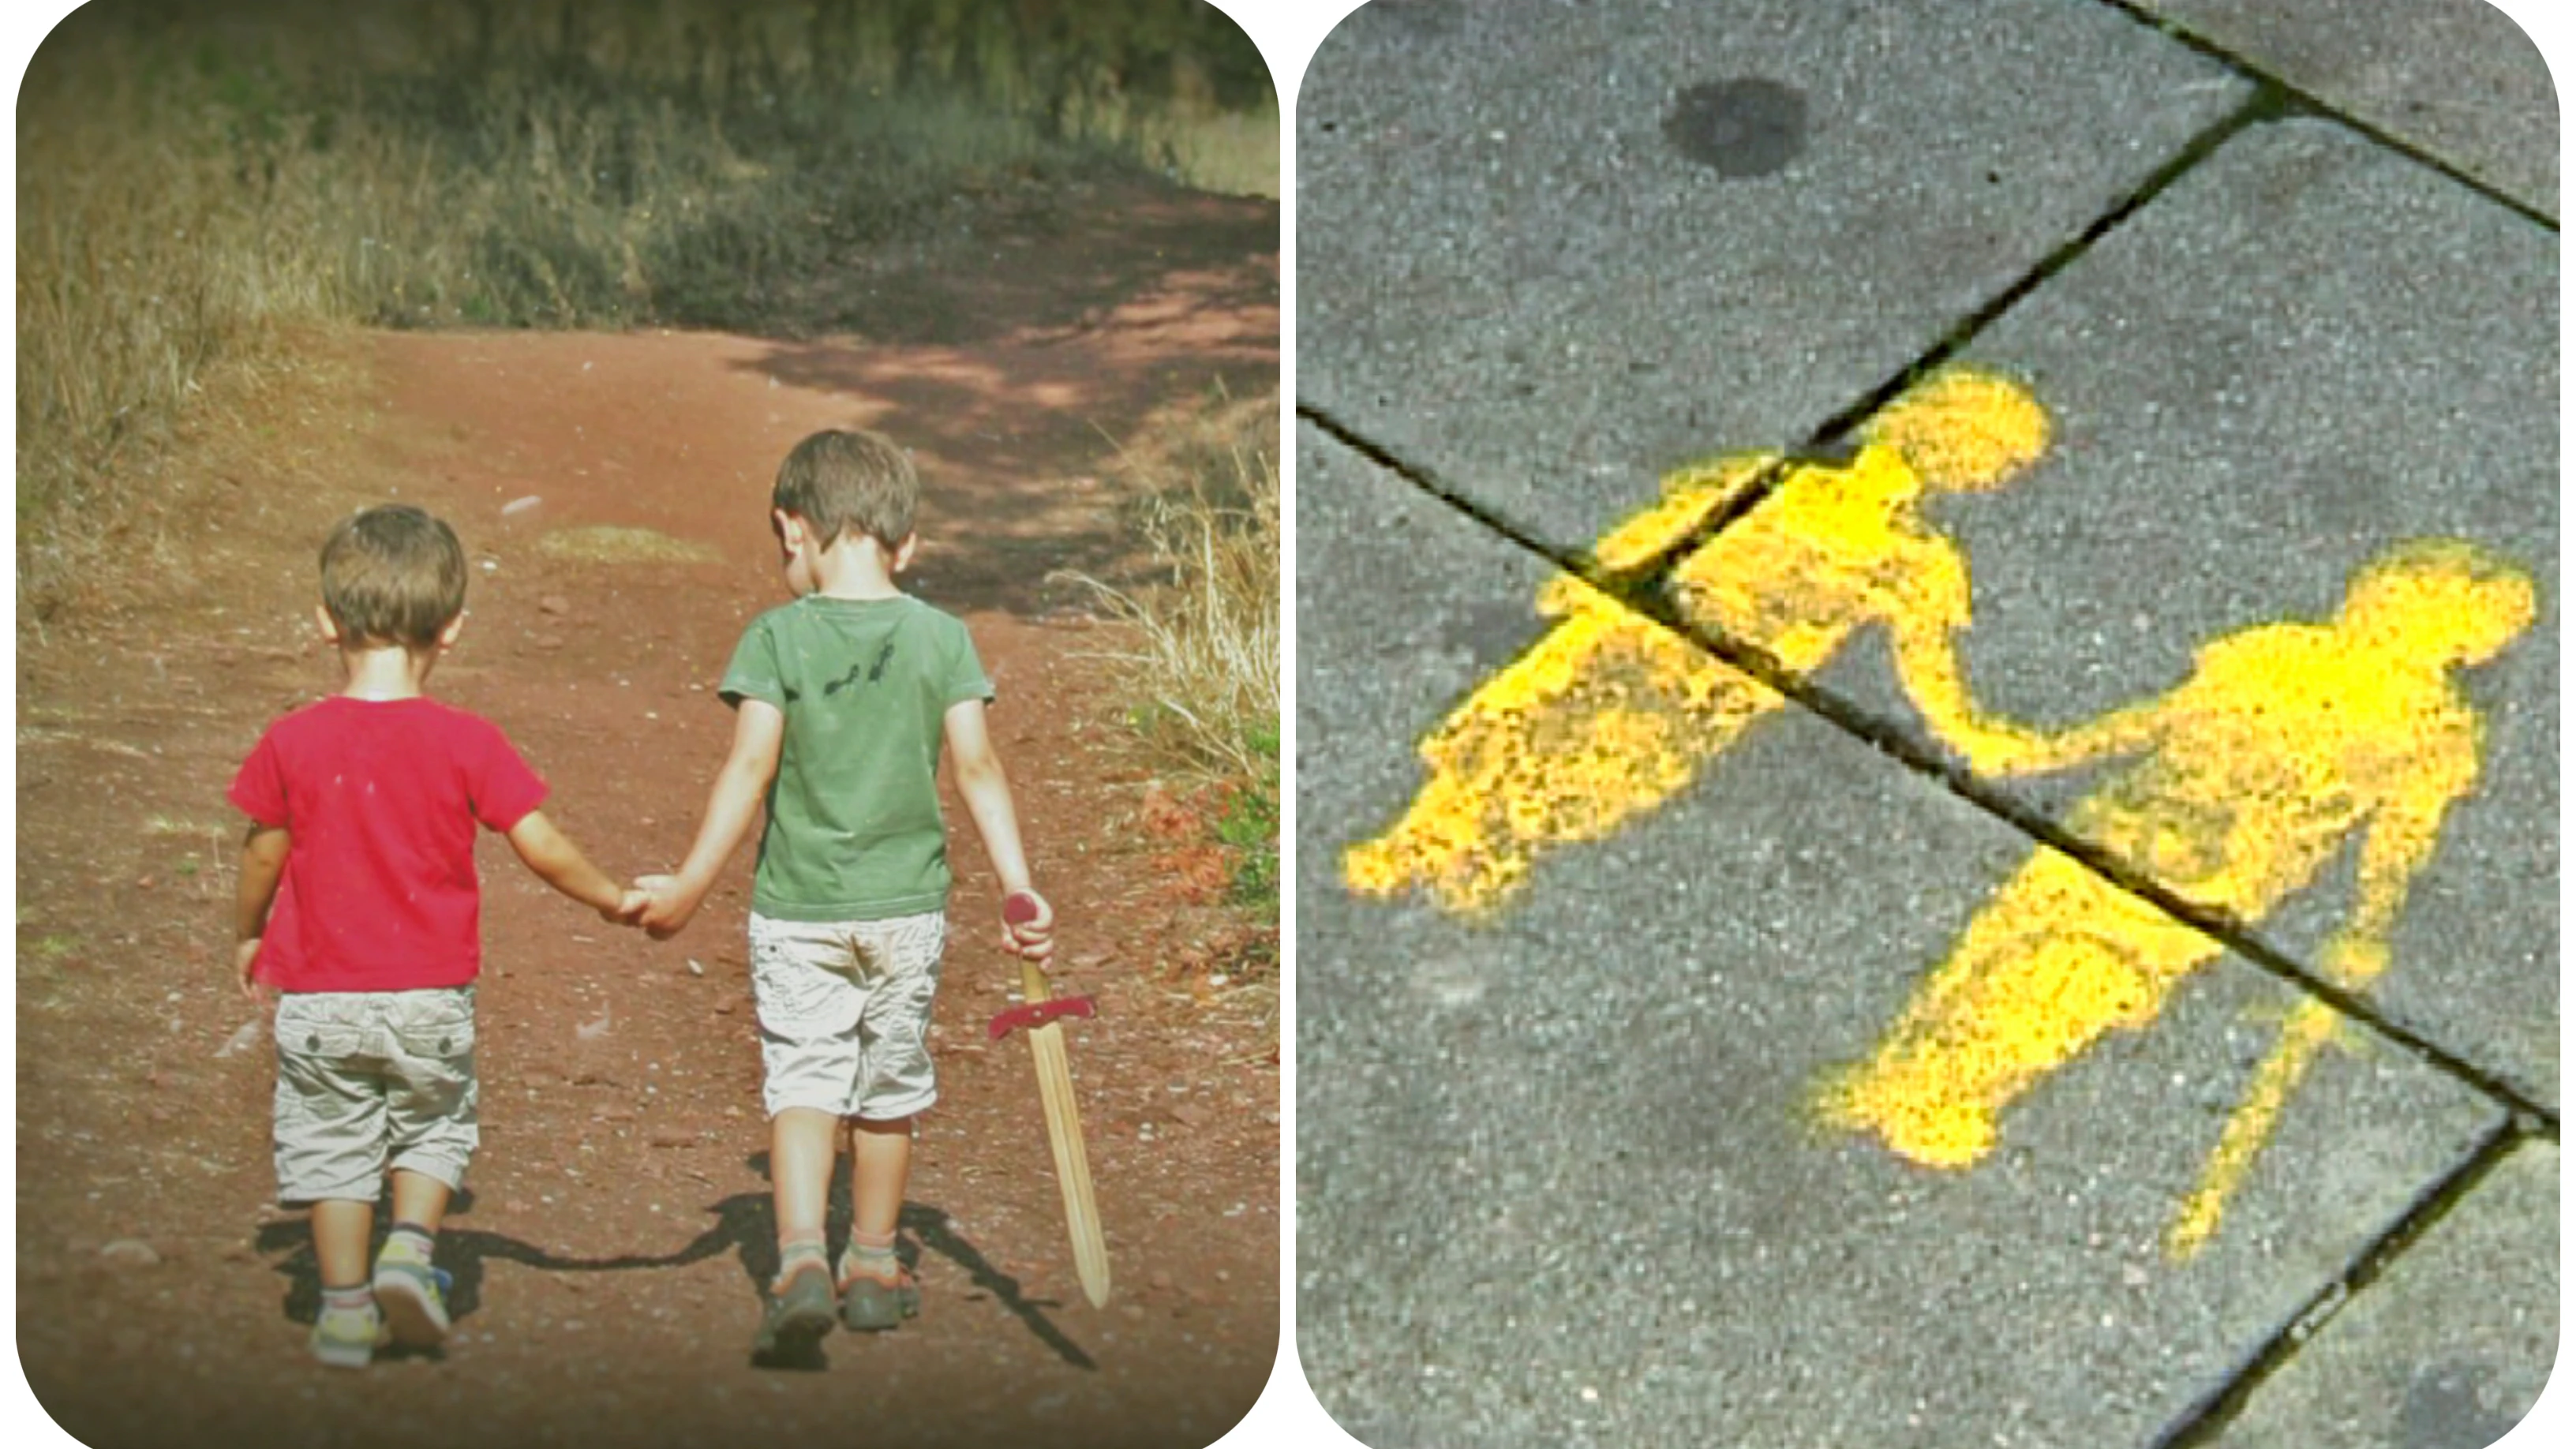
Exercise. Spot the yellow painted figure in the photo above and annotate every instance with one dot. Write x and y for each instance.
(1611, 714)
(2250, 776)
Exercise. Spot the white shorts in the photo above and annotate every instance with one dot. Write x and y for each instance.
(369, 1081)
(845, 1013)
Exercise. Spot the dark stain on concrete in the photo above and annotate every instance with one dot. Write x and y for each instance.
(2446, 1408)
(1747, 126)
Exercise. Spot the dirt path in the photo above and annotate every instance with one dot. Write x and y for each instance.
(619, 1215)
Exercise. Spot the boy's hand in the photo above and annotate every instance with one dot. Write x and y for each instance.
(245, 956)
(666, 907)
(629, 910)
(1031, 938)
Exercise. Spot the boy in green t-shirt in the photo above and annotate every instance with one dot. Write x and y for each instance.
(842, 700)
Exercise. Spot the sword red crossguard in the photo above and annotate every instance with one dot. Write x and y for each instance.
(1037, 1013)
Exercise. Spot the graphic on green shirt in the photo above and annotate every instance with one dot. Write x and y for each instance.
(854, 829)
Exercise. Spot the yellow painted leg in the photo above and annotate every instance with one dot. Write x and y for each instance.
(2059, 959)
(2304, 1033)
(1608, 717)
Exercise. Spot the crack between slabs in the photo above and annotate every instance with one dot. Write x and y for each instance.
(2204, 1421)
(1833, 435)
(1830, 438)
(2309, 101)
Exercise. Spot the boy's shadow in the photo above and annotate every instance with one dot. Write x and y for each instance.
(746, 1223)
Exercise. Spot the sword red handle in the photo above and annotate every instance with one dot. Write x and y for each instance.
(1037, 1013)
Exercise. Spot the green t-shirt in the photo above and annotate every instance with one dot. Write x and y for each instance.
(854, 832)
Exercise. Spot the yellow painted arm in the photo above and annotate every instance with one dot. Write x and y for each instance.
(1691, 494)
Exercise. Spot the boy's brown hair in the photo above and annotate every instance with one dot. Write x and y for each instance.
(838, 481)
(392, 574)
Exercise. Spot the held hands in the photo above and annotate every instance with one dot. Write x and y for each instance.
(659, 905)
(629, 910)
(635, 906)
(1032, 939)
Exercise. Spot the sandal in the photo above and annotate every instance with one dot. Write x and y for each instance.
(870, 1304)
(800, 1311)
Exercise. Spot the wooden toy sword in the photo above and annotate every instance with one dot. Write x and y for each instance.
(1038, 1010)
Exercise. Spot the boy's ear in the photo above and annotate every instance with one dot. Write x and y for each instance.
(455, 626)
(903, 552)
(789, 528)
(330, 627)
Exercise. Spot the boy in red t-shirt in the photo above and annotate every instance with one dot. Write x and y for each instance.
(359, 903)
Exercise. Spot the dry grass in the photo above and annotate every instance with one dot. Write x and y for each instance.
(204, 190)
(603, 544)
(1200, 677)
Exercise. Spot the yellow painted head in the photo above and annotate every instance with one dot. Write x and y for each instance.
(1963, 428)
(2443, 599)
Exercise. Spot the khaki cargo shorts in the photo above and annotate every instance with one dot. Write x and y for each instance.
(369, 1081)
(845, 1013)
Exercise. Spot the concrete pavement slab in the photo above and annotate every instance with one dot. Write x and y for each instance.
(2448, 1350)
(1560, 1179)
(2457, 79)
(2306, 353)
(1550, 250)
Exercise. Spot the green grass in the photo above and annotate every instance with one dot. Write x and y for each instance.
(1250, 826)
(198, 187)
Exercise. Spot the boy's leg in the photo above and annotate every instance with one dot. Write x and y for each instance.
(328, 1134)
(346, 1331)
(432, 1098)
(807, 981)
(876, 1292)
(880, 1160)
(896, 1084)
(341, 1228)
(800, 1175)
(410, 1288)
(420, 1201)
(808, 1003)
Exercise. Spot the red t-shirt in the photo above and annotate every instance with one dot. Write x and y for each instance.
(379, 799)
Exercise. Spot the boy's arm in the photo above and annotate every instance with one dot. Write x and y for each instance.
(559, 863)
(263, 862)
(988, 801)
(759, 730)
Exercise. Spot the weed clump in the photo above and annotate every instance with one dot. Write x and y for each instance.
(1199, 675)
(201, 187)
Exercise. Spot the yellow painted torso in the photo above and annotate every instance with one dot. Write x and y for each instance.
(2285, 742)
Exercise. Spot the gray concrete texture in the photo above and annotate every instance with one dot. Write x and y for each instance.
(2456, 79)
(1556, 1179)
(2371, 1378)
